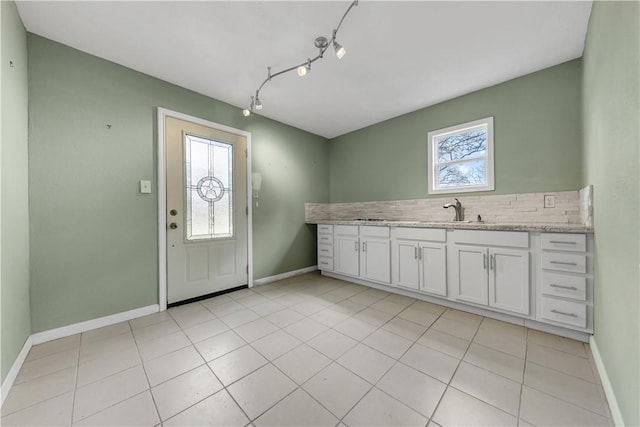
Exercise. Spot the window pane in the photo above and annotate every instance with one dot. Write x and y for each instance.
(208, 188)
(464, 173)
(468, 144)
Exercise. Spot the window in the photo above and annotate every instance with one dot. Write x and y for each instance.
(461, 158)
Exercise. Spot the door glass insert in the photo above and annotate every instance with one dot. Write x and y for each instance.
(208, 166)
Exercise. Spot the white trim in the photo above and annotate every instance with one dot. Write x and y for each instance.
(163, 113)
(15, 368)
(65, 331)
(606, 384)
(286, 275)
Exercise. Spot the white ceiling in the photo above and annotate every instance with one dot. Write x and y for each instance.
(401, 56)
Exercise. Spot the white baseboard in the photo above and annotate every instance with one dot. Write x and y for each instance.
(15, 368)
(65, 331)
(606, 384)
(265, 280)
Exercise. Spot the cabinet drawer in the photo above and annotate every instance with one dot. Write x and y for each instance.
(370, 231)
(325, 228)
(574, 263)
(348, 230)
(564, 285)
(567, 312)
(514, 239)
(325, 263)
(564, 242)
(325, 251)
(425, 234)
(325, 239)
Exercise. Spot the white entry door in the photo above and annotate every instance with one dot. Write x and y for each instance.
(206, 210)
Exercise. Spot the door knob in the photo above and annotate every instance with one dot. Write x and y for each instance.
(173, 212)
(173, 226)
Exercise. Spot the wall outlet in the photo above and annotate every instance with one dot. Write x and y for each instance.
(549, 201)
(145, 187)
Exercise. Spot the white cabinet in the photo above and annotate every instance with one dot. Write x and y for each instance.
(419, 260)
(347, 250)
(325, 247)
(375, 261)
(484, 274)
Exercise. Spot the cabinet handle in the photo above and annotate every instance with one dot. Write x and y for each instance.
(356, 242)
(420, 253)
(484, 261)
(563, 313)
(364, 246)
(324, 238)
(415, 253)
(563, 263)
(492, 262)
(560, 242)
(573, 288)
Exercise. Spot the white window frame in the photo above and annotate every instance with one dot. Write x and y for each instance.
(432, 158)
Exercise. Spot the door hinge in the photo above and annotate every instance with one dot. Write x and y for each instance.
(247, 268)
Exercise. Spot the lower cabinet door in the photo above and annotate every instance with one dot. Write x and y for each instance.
(347, 255)
(509, 280)
(469, 275)
(433, 266)
(405, 264)
(375, 260)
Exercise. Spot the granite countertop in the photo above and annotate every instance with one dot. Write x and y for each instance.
(466, 225)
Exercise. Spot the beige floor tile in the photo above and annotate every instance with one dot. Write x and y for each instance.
(379, 409)
(428, 307)
(190, 314)
(255, 330)
(349, 307)
(239, 318)
(47, 365)
(431, 362)
(267, 307)
(445, 343)
(102, 394)
(151, 349)
(366, 299)
(488, 387)
(372, 316)
(237, 364)
(331, 343)
(337, 389)
(260, 390)
(181, 392)
(275, 345)
(138, 410)
(225, 309)
(413, 388)
(559, 343)
(106, 332)
(389, 306)
(329, 316)
(284, 318)
(307, 307)
(541, 409)
(302, 363)
(560, 361)
(52, 347)
(516, 331)
(150, 319)
(462, 316)
(305, 329)
(39, 389)
(574, 390)
(495, 361)
(157, 330)
(205, 330)
(458, 328)
(418, 315)
(52, 412)
(460, 409)
(218, 410)
(218, 345)
(404, 328)
(400, 299)
(354, 328)
(297, 409)
(97, 369)
(502, 340)
(388, 343)
(366, 362)
(172, 364)
(216, 301)
(253, 299)
(107, 347)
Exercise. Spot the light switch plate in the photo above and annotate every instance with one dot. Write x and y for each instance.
(145, 187)
(549, 201)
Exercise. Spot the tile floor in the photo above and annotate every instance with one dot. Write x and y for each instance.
(309, 350)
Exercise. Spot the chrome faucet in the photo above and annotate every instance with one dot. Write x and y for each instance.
(458, 207)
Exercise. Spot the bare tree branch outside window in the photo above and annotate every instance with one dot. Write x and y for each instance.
(461, 149)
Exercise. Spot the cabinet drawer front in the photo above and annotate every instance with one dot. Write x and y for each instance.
(369, 231)
(561, 311)
(428, 234)
(564, 242)
(325, 239)
(325, 263)
(325, 250)
(325, 228)
(515, 239)
(564, 262)
(564, 285)
(349, 230)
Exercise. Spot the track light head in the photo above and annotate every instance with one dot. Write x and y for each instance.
(302, 70)
(246, 112)
(257, 104)
(340, 51)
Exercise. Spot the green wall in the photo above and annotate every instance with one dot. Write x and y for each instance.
(14, 229)
(537, 140)
(93, 237)
(611, 118)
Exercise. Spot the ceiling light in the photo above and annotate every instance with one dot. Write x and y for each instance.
(321, 43)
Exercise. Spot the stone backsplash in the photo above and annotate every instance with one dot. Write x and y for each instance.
(571, 207)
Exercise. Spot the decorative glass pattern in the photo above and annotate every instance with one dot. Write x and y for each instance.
(208, 166)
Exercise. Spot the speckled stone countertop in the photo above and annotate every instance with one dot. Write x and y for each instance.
(466, 225)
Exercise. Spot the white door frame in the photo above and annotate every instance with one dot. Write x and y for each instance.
(163, 113)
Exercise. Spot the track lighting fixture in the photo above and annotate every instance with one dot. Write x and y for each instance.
(321, 43)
